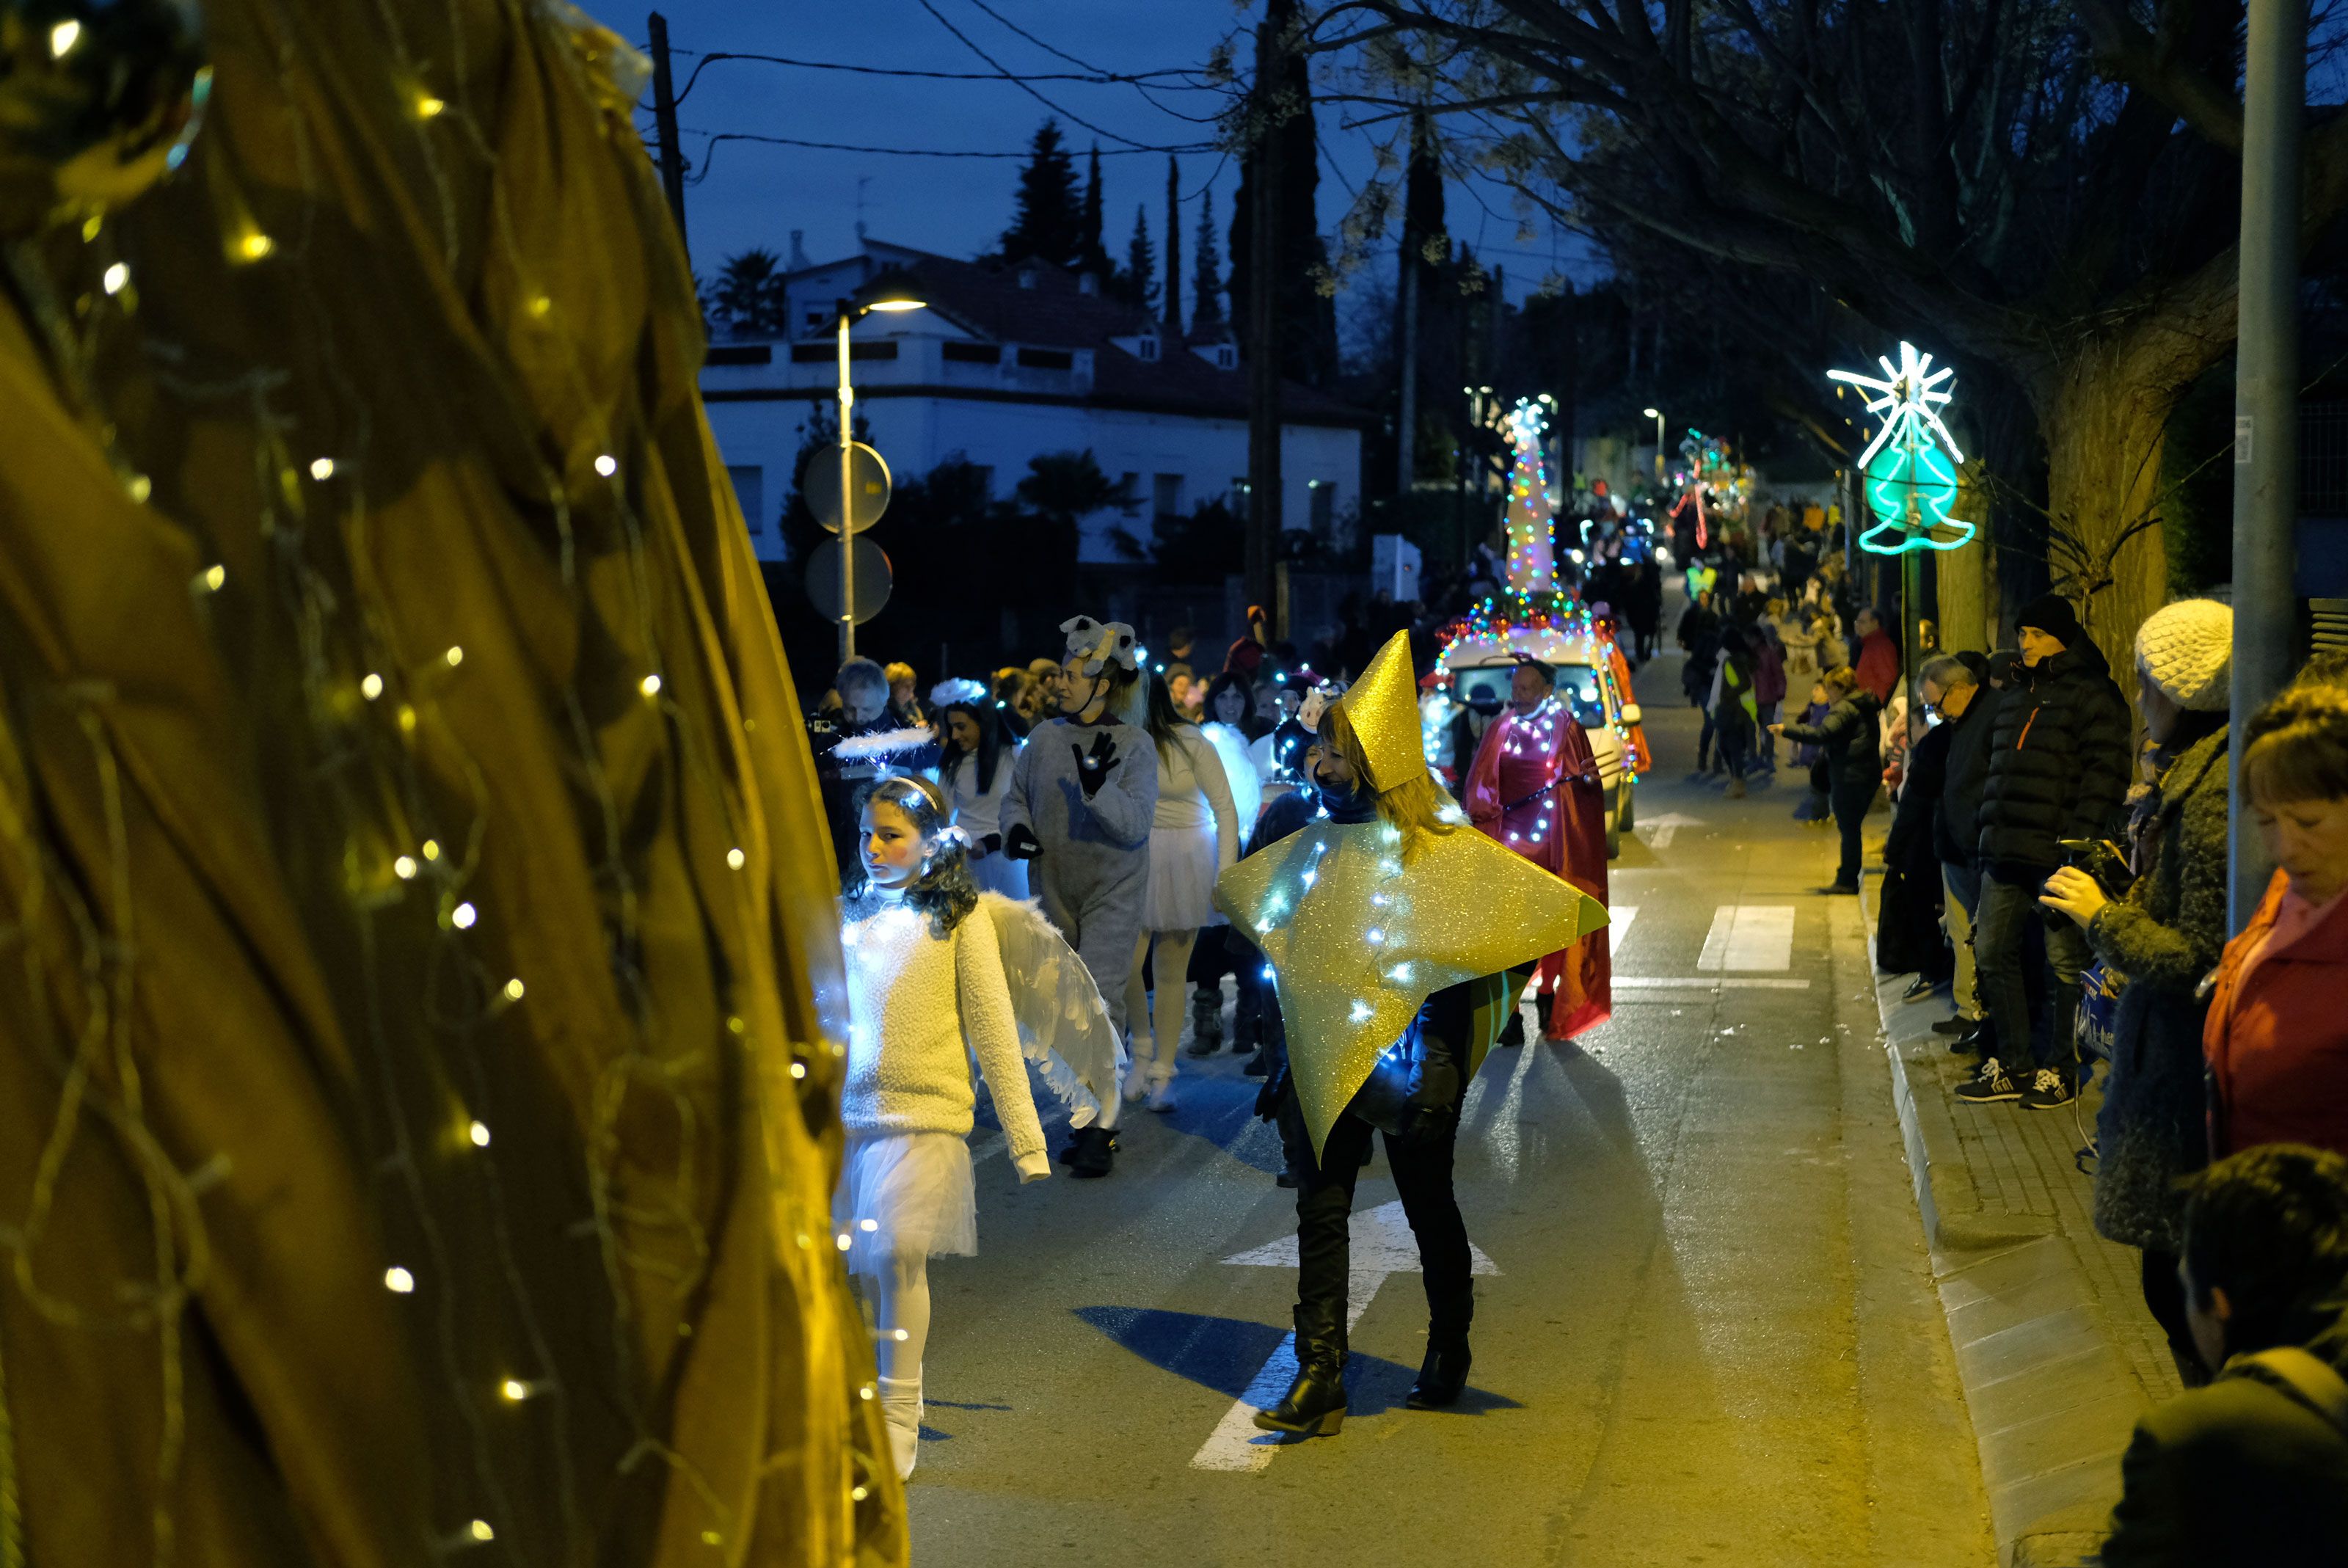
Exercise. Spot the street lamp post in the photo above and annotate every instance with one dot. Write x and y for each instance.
(1657, 416)
(888, 293)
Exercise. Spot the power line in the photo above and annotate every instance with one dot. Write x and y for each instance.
(1097, 78)
(972, 44)
(715, 137)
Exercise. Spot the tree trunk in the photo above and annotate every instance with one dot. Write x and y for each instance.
(1962, 573)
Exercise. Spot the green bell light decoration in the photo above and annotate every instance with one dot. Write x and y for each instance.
(98, 100)
(1911, 466)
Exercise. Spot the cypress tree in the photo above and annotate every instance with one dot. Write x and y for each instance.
(1207, 271)
(1048, 221)
(1173, 246)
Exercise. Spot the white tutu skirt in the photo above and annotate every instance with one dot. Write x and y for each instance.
(1181, 880)
(906, 1194)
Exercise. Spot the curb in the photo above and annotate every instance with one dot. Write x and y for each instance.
(2053, 1401)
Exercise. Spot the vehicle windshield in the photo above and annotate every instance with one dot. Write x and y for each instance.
(1577, 685)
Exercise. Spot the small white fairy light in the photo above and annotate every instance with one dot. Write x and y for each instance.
(139, 487)
(513, 989)
(799, 1070)
(212, 578)
(255, 246)
(737, 858)
(398, 1281)
(479, 1134)
(463, 916)
(403, 867)
(514, 1390)
(371, 686)
(479, 1531)
(321, 468)
(431, 848)
(607, 465)
(427, 107)
(650, 685)
(62, 38)
(454, 655)
(116, 278)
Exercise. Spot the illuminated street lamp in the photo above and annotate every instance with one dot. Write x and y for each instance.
(892, 290)
(1657, 416)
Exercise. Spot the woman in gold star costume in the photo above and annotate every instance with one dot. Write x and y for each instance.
(1389, 931)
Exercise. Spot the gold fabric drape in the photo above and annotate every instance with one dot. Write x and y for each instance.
(418, 1106)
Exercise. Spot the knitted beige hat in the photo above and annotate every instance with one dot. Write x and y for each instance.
(2187, 650)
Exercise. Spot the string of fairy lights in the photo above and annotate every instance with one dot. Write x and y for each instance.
(389, 758)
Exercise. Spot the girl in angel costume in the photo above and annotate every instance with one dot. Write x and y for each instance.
(976, 773)
(1195, 833)
(938, 973)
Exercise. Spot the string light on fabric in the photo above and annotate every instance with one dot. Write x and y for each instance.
(1910, 465)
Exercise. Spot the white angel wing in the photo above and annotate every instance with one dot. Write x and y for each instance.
(1063, 1026)
(1239, 771)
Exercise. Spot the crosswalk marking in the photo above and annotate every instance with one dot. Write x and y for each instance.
(1749, 937)
(1619, 917)
(1706, 983)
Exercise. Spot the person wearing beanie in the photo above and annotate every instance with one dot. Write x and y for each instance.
(2163, 934)
(2058, 770)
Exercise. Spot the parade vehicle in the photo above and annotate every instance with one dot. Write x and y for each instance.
(1473, 675)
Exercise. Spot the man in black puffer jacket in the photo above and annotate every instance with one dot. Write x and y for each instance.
(2058, 768)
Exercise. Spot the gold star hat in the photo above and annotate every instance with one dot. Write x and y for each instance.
(1360, 928)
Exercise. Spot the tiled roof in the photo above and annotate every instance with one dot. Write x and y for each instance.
(1056, 313)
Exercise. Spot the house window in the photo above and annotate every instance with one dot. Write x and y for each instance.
(1240, 489)
(741, 354)
(1149, 349)
(1046, 359)
(819, 353)
(1166, 495)
(750, 490)
(972, 353)
(1226, 357)
(816, 318)
(1131, 485)
(1322, 497)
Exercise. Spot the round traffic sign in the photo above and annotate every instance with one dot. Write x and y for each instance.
(868, 487)
(872, 579)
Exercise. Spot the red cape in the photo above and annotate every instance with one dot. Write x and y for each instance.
(1534, 788)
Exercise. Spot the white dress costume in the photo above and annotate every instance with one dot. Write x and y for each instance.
(980, 815)
(920, 1006)
(1193, 837)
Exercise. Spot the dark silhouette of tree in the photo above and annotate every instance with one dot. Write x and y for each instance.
(1137, 283)
(1305, 301)
(1207, 271)
(1048, 221)
(1173, 246)
(1095, 255)
(2046, 197)
(748, 301)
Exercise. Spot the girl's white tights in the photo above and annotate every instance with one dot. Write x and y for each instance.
(900, 1295)
(1164, 1024)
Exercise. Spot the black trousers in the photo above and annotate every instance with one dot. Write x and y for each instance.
(1324, 1204)
(1851, 800)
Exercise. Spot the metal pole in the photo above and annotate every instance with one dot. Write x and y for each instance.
(672, 161)
(1659, 454)
(2266, 403)
(847, 498)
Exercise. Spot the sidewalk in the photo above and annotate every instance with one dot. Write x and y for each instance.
(2056, 1352)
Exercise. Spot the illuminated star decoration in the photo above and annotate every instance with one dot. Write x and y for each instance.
(1358, 935)
(1912, 464)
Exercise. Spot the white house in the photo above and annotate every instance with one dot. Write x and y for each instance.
(1002, 366)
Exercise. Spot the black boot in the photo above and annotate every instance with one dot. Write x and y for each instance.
(1512, 1032)
(1090, 1151)
(1444, 1374)
(1206, 1019)
(1314, 1404)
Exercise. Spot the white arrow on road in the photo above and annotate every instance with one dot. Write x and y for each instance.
(1381, 1244)
(1657, 832)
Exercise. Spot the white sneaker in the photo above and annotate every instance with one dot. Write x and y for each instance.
(1161, 1097)
(1137, 1084)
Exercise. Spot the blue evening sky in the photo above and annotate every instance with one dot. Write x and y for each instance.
(757, 195)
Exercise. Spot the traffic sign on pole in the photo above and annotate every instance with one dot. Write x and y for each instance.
(868, 483)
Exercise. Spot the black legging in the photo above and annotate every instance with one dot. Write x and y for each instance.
(1422, 1174)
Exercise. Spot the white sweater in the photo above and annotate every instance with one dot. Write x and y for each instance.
(913, 999)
